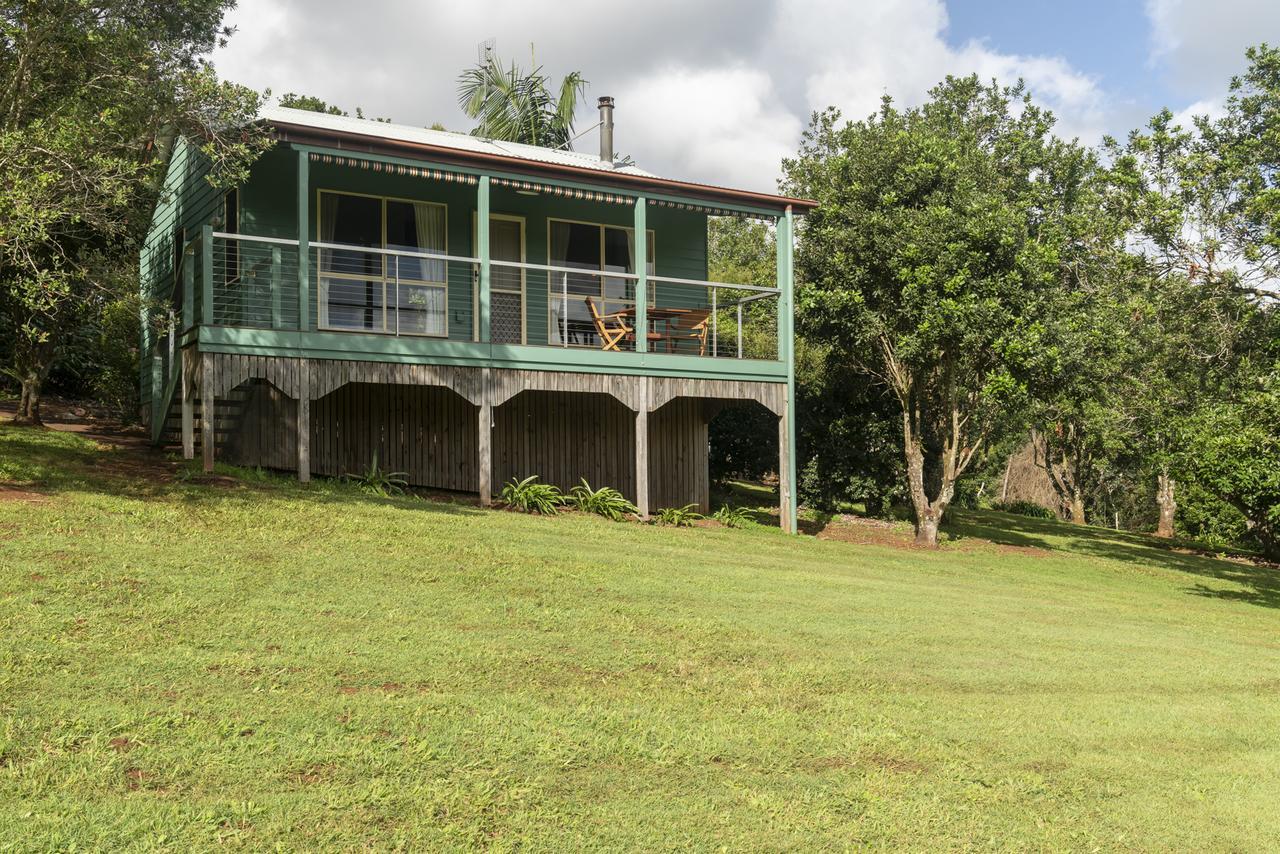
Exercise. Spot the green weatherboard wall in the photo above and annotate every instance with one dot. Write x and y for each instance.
(268, 208)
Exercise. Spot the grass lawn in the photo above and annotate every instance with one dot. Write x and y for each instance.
(187, 663)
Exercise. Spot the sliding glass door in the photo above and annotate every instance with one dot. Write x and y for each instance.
(370, 291)
(600, 249)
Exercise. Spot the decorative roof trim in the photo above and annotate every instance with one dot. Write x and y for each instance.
(710, 211)
(395, 168)
(564, 192)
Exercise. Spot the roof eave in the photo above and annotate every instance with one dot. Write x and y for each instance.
(307, 135)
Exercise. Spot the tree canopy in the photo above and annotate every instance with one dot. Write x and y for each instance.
(931, 262)
(515, 105)
(97, 94)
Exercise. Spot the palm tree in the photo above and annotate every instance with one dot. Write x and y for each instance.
(518, 107)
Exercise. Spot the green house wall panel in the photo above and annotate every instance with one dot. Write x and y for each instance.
(268, 206)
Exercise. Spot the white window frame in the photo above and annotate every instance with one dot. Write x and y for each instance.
(652, 237)
(322, 289)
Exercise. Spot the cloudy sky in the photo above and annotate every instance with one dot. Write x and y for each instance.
(719, 90)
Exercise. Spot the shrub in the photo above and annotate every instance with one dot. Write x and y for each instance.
(377, 481)
(530, 496)
(1024, 508)
(679, 517)
(605, 501)
(733, 517)
(116, 381)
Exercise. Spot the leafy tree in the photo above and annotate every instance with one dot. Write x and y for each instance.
(1205, 208)
(1243, 151)
(96, 94)
(849, 432)
(312, 104)
(931, 263)
(1232, 449)
(1081, 426)
(518, 106)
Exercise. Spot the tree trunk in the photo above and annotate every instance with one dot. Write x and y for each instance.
(928, 513)
(33, 365)
(29, 403)
(1168, 506)
(1077, 509)
(927, 530)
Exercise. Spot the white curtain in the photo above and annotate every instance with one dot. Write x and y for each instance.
(559, 256)
(328, 229)
(429, 220)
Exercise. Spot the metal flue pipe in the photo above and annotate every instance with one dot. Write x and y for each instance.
(606, 128)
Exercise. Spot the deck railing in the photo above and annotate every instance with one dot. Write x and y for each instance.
(713, 319)
(393, 292)
(404, 292)
(255, 281)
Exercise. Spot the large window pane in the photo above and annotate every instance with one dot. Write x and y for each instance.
(618, 293)
(353, 220)
(417, 227)
(606, 249)
(353, 304)
(420, 310)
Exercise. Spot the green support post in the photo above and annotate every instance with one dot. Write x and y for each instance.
(188, 289)
(482, 252)
(206, 275)
(304, 247)
(786, 237)
(780, 255)
(641, 241)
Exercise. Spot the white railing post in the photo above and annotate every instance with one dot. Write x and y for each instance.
(739, 329)
(715, 331)
(564, 310)
(397, 257)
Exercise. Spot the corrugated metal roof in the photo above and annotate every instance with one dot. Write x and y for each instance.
(446, 139)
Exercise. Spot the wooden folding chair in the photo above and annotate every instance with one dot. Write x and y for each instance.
(611, 328)
(693, 325)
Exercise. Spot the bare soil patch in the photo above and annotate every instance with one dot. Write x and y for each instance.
(8, 493)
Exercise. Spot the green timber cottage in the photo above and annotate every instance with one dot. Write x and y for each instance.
(467, 309)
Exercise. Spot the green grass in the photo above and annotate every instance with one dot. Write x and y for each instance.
(185, 664)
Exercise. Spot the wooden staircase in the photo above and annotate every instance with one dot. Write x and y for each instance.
(228, 417)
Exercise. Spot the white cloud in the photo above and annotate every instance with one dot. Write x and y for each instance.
(1202, 44)
(719, 124)
(715, 91)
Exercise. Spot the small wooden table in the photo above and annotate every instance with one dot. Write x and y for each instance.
(666, 316)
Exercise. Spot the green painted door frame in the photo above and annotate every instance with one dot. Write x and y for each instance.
(640, 236)
(482, 252)
(786, 243)
(304, 240)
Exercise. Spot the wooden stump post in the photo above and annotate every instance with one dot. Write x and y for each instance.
(642, 449)
(208, 412)
(188, 408)
(784, 477)
(304, 420)
(484, 426)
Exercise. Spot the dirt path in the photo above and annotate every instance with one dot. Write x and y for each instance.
(135, 457)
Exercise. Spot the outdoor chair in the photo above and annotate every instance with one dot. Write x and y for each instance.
(611, 328)
(693, 325)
